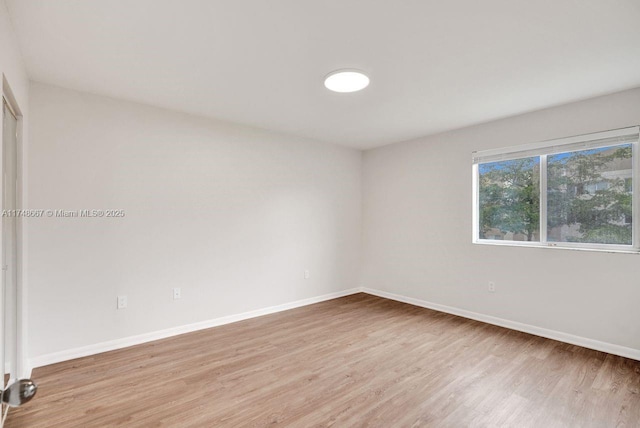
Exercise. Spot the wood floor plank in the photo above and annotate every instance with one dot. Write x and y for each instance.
(357, 361)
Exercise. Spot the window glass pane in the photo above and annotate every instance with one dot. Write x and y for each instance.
(589, 196)
(509, 200)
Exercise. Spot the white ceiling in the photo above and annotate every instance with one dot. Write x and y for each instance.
(434, 64)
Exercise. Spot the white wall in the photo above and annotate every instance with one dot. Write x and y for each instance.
(11, 65)
(15, 82)
(417, 232)
(231, 215)
(15, 87)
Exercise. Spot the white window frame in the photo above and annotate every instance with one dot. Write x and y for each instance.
(563, 145)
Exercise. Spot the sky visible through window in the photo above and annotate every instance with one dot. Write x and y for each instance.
(483, 168)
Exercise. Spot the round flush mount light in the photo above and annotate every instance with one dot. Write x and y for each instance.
(346, 81)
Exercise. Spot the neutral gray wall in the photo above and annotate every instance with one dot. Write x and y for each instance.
(231, 215)
(418, 223)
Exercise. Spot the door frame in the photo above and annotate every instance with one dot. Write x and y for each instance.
(20, 365)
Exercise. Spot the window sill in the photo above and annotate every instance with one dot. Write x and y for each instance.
(556, 247)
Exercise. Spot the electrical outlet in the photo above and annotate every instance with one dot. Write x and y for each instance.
(492, 287)
(306, 274)
(122, 302)
(177, 293)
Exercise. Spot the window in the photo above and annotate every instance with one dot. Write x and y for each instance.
(509, 199)
(576, 192)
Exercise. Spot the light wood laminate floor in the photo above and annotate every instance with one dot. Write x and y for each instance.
(350, 362)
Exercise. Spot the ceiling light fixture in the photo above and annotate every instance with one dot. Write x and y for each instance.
(346, 81)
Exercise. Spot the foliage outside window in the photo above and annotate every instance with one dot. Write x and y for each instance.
(510, 200)
(577, 195)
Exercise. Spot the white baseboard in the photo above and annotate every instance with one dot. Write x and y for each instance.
(84, 351)
(111, 345)
(610, 348)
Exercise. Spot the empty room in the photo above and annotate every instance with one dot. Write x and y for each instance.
(331, 213)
